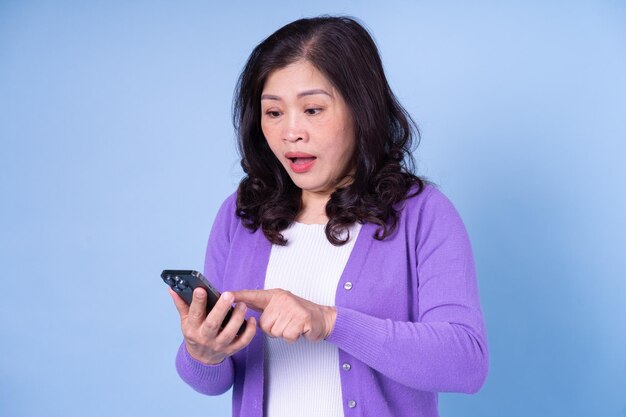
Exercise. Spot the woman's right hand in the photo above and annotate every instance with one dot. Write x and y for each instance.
(204, 339)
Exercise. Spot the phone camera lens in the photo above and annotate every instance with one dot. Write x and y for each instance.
(169, 280)
(182, 284)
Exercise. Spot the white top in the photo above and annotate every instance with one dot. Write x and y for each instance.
(303, 378)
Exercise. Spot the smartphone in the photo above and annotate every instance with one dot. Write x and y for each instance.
(183, 282)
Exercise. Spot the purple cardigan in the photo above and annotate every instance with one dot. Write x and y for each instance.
(409, 322)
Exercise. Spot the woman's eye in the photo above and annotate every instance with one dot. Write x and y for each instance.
(313, 111)
(273, 113)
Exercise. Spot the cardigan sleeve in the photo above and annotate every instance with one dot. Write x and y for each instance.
(212, 379)
(445, 348)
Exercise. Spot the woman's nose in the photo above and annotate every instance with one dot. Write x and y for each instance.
(294, 130)
(293, 137)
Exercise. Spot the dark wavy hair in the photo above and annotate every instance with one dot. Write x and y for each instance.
(342, 50)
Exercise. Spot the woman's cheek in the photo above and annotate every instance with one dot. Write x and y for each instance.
(271, 134)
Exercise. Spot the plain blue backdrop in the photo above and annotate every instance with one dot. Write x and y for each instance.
(117, 149)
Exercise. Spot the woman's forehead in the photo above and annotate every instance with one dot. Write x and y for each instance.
(299, 79)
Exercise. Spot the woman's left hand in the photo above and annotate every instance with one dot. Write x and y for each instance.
(288, 316)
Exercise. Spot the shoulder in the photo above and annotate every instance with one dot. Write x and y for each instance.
(418, 199)
(429, 205)
(229, 205)
(226, 220)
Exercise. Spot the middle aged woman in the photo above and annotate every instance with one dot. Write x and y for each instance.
(359, 273)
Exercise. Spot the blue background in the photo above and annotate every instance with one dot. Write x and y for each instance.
(117, 149)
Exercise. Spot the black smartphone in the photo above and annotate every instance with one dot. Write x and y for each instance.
(183, 282)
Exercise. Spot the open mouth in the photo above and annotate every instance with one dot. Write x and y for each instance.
(302, 160)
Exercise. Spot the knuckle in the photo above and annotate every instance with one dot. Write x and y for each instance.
(291, 337)
(191, 340)
(195, 314)
(218, 347)
(265, 323)
(211, 324)
(187, 330)
(225, 337)
(284, 294)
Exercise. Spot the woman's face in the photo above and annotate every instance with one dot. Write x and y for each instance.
(308, 126)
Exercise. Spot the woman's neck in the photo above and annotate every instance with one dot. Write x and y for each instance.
(313, 209)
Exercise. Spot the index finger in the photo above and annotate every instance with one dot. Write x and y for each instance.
(255, 299)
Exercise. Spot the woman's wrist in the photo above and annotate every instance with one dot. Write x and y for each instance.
(330, 316)
(210, 360)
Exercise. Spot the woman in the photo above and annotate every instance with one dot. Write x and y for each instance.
(358, 274)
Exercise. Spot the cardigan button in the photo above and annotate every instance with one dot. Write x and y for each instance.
(347, 286)
(346, 366)
(351, 404)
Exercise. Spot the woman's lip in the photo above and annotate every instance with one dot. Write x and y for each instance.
(291, 155)
(303, 164)
(300, 162)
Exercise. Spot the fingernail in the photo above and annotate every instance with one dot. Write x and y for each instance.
(242, 306)
(200, 294)
(228, 297)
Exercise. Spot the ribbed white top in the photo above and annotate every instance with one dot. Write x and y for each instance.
(303, 378)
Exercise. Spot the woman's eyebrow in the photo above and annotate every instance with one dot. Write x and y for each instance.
(313, 92)
(300, 95)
